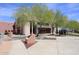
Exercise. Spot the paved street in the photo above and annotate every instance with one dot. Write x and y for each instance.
(65, 45)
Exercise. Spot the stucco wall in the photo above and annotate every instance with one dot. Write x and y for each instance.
(27, 29)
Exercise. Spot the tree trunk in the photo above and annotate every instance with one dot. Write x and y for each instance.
(40, 25)
(56, 29)
(54, 32)
(32, 28)
(52, 29)
(37, 33)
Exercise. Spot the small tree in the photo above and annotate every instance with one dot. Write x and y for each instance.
(49, 18)
(74, 25)
(39, 12)
(24, 15)
(58, 19)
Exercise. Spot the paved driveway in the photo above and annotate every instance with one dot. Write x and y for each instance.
(66, 45)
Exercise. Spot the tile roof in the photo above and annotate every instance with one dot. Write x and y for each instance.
(5, 26)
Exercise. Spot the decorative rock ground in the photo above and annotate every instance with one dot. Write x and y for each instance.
(30, 41)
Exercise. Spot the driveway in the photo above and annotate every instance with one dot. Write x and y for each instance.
(65, 45)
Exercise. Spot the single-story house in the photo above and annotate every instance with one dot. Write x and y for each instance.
(27, 29)
(6, 26)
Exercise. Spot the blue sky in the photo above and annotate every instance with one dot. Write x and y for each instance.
(69, 9)
(8, 9)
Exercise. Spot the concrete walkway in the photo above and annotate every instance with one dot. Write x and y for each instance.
(66, 45)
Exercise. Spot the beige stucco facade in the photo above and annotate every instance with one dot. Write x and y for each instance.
(26, 29)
